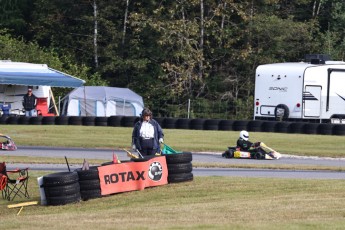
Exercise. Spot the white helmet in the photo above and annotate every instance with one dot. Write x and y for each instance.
(244, 135)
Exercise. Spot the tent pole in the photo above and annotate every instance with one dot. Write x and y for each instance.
(51, 92)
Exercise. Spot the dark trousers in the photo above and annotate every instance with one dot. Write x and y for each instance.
(147, 147)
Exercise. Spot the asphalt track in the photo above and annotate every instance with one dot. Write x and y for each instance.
(107, 155)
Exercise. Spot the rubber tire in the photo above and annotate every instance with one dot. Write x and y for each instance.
(180, 168)
(183, 123)
(283, 127)
(101, 121)
(297, 127)
(89, 184)
(212, 124)
(62, 190)
(255, 126)
(226, 124)
(90, 174)
(88, 121)
(339, 130)
(146, 158)
(269, 126)
(197, 124)
(12, 120)
(325, 129)
(286, 111)
(61, 120)
(62, 200)
(181, 177)
(75, 120)
(240, 125)
(90, 194)
(24, 120)
(3, 119)
(184, 157)
(160, 121)
(170, 123)
(129, 121)
(310, 128)
(115, 121)
(60, 178)
(48, 120)
(36, 120)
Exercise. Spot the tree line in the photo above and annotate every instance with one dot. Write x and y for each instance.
(172, 52)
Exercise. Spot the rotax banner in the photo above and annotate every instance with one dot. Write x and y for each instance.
(131, 176)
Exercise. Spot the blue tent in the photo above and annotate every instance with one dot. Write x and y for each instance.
(20, 73)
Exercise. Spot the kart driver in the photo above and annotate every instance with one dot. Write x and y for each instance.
(243, 141)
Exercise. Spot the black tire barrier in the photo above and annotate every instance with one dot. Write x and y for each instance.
(62, 190)
(226, 125)
(169, 123)
(297, 127)
(211, 124)
(160, 120)
(89, 184)
(310, 128)
(197, 124)
(339, 129)
(269, 126)
(255, 126)
(240, 125)
(101, 121)
(180, 177)
(35, 120)
(3, 119)
(88, 121)
(90, 194)
(283, 127)
(129, 121)
(75, 120)
(90, 174)
(183, 123)
(62, 200)
(325, 129)
(60, 178)
(48, 120)
(12, 120)
(180, 168)
(115, 121)
(61, 120)
(183, 157)
(23, 120)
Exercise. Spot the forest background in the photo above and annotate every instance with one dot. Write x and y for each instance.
(172, 52)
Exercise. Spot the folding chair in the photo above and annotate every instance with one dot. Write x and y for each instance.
(16, 183)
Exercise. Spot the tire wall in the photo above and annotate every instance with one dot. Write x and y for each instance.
(184, 123)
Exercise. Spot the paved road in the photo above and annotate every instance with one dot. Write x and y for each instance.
(107, 154)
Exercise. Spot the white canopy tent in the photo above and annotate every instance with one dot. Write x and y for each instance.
(102, 101)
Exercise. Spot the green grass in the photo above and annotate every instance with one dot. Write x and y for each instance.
(186, 140)
(205, 203)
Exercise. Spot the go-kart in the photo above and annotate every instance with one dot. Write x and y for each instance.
(6, 143)
(259, 151)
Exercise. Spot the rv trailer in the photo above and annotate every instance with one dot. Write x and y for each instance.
(305, 91)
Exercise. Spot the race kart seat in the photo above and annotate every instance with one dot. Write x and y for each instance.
(15, 182)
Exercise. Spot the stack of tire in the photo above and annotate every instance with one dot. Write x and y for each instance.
(179, 167)
(61, 188)
(90, 187)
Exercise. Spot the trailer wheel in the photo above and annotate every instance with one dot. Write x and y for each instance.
(281, 110)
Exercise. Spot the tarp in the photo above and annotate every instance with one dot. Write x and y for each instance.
(102, 101)
(20, 73)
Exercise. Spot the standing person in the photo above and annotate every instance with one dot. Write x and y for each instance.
(29, 104)
(147, 134)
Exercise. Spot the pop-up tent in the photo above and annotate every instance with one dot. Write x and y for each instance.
(20, 73)
(102, 101)
(16, 77)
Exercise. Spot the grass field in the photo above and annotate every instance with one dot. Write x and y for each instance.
(205, 203)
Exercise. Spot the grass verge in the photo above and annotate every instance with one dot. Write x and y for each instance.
(205, 203)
